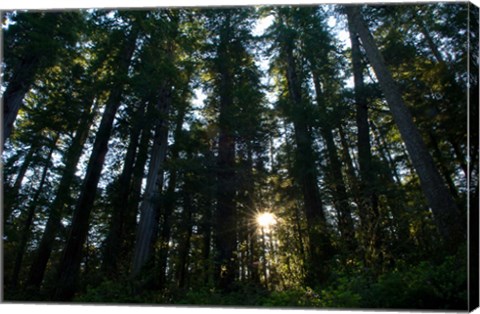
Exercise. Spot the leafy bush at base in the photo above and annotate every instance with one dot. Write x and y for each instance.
(111, 292)
(241, 295)
(423, 286)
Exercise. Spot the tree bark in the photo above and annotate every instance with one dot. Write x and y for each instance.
(353, 181)
(253, 254)
(370, 218)
(11, 198)
(138, 176)
(57, 209)
(69, 267)
(168, 203)
(226, 241)
(18, 87)
(208, 217)
(35, 44)
(440, 201)
(320, 247)
(341, 199)
(148, 225)
(182, 269)
(225, 221)
(26, 230)
(384, 151)
(392, 188)
(426, 34)
(114, 244)
(447, 77)
(446, 173)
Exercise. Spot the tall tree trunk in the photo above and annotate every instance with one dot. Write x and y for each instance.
(297, 214)
(473, 134)
(225, 216)
(166, 226)
(392, 189)
(426, 34)
(253, 254)
(69, 267)
(226, 241)
(384, 151)
(208, 217)
(352, 178)
(355, 190)
(446, 213)
(169, 199)
(11, 198)
(473, 151)
(23, 169)
(320, 247)
(370, 218)
(114, 246)
(17, 88)
(57, 209)
(184, 249)
(26, 230)
(341, 199)
(137, 180)
(447, 77)
(148, 225)
(207, 240)
(447, 175)
(35, 51)
(264, 259)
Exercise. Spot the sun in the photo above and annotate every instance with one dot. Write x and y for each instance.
(265, 220)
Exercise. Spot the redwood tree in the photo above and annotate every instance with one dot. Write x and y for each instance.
(442, 204)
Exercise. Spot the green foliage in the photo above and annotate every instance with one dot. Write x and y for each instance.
(112, 292)
(341, 296)
(423, 286)
(249, 295)
(39, 38)
(241, 294)
(297, 297)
